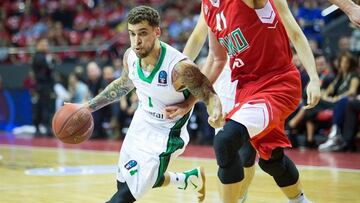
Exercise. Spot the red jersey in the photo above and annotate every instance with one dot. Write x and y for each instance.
(254, 39)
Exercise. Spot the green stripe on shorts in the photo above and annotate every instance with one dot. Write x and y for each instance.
(174, 143)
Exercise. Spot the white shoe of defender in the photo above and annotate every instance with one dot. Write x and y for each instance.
(300, 199)
(195, 180)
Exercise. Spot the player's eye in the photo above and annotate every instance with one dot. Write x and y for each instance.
(143, 33)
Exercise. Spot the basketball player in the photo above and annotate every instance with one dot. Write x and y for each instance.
(225, 88)
(255, 37)
(162, 76)
(192, 49)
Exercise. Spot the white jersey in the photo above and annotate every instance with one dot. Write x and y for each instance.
(152, 141)
(155, 90)
(226, 89)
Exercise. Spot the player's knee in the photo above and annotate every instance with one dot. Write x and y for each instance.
(281, 168)
(248, 154)
(123, 194)
(232, 173)
(228, 141)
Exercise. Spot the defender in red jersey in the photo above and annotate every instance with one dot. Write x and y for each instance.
(255, 35)
(192, 48)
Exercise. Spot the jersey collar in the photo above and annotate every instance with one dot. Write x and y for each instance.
(150, 78)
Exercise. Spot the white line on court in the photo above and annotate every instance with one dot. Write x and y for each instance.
(112, 153)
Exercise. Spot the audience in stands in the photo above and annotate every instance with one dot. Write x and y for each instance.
(337, 95)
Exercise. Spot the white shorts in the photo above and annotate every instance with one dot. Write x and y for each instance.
(226, 90)
(146, 152)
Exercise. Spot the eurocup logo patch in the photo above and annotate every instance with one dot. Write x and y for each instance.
(131, 166)
(162, 77)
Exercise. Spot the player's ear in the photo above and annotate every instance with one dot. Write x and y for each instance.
(157, 31)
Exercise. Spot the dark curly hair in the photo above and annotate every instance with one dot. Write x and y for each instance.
(141, 13)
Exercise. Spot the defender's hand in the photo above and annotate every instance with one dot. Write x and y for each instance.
(354, 15)
(313, 94)
(216, 117)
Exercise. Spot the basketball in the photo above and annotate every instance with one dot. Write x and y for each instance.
(73, 124)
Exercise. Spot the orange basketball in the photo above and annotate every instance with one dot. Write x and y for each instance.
(73, 124)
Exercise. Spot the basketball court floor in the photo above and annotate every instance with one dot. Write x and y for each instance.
(43, 170)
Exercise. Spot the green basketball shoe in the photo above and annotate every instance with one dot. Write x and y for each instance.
(195, 180)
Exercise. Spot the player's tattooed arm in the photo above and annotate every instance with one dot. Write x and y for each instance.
(186, 75)
(115, 90)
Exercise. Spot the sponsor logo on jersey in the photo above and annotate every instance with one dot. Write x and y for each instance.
(162, 80)
(155, 114)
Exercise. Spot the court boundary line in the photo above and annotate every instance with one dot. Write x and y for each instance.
(90, 151)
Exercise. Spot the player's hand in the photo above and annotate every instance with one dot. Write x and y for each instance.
(313, 94)
(216, 117)
(176, 110)
(85, 105)
(179, 110)
(354, 15)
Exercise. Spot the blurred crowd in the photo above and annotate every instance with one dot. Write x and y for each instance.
(80, 30)
(92, 35)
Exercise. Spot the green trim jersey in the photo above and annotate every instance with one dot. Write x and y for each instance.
(152, 141)
(154, 89)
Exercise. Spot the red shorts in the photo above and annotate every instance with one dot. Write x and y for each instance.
(263, 105)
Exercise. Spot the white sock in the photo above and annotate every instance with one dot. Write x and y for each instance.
(177, 179)
(301, 198)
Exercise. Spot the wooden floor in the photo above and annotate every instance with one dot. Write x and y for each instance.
(321, 184)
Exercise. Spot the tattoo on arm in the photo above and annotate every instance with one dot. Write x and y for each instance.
(114, 91)
(111, 93)
(187, 75)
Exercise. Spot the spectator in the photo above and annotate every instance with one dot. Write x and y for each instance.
(344, 85)
(128, 105)
(344, 44)
(351, 123)
(62, 94)
(326, 76)
(108, 113)
(310, 20)
(79, 92)
(94, 83)
(80, 73)
(351, 79)
(43, 103)
(117, 63)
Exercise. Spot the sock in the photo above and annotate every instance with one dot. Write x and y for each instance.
(301, 198)
(177, 179)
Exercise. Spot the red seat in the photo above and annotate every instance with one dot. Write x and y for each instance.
(325, 115)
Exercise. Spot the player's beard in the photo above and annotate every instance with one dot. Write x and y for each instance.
(146, 51)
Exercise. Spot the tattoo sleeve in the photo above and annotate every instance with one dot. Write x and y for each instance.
(187, 75)
(114, 91)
